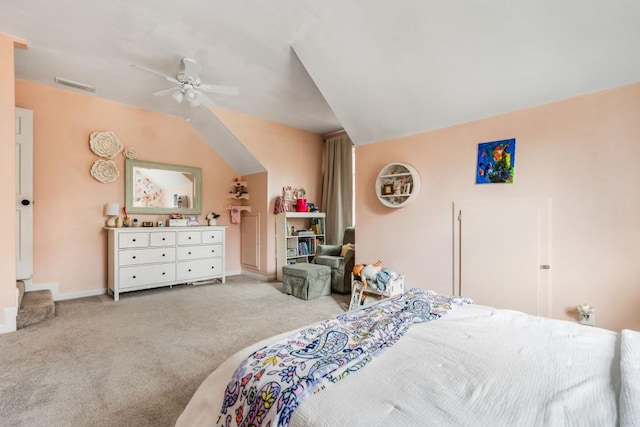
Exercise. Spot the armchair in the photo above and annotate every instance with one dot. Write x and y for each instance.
(341, 266)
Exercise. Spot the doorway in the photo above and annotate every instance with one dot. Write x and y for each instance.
(501, 254)
(24, 194)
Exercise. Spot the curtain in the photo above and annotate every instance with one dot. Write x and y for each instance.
(337, 187)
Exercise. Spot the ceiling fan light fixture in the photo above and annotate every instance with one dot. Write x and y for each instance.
(178, 96)
(194, 102)
(189, 85)
(190, 93)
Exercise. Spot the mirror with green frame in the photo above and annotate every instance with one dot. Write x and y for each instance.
(160, 188)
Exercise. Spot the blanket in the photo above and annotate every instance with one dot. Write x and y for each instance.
(270, 384)
(630, 376)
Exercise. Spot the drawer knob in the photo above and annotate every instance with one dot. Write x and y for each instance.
(189, 237)
(189, 270)
(212, 267)
(134, 257)
(189, 253)
(134, 277)
(163, 273)
(164, 238)
(163, 254)
(213, 250)
(134, 240)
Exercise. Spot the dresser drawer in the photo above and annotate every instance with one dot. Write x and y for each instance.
(133, 240)
(200, 269)
(163, 238)
(189, 237)
(146, 256)
(213, 236)
(196, 252)
(143, 275)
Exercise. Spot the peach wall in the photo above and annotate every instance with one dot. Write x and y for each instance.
(69, 242)
(7, 178)
(582, 153)
(291, 157)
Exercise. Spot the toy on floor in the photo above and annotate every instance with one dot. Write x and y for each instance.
(367, 272)
(380, 280)
(374, 275)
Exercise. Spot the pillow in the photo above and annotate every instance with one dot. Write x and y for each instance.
(346, 248)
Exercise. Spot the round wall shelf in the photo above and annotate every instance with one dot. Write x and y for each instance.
(397, 185)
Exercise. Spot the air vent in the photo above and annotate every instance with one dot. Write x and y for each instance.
(75, 85)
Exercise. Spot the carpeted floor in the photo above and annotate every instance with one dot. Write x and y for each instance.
(137, 362)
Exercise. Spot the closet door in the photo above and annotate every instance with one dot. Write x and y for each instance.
(250, 241)
(501, 251)
(24, 194)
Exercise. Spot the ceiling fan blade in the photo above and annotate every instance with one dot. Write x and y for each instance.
(191, 69)
(224, 90)
(205, 100)
(166, 91)
(171, 79)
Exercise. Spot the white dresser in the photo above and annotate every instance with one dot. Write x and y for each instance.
(144, 258)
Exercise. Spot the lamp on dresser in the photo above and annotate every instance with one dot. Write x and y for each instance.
(112, 210)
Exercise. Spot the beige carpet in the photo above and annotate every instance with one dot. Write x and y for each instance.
(138, 361)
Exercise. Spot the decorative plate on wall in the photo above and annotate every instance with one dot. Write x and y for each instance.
(105, 171)
(130, 153)
(105, 144)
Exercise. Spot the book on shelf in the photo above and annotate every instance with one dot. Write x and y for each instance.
(303, 248)
(317, 225)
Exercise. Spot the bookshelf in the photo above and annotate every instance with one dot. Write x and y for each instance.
(298, 234)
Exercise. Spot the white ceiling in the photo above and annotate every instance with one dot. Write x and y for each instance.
(379, 69)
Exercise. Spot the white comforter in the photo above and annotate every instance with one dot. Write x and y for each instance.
(476, 366)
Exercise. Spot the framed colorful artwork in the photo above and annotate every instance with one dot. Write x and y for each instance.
(496, 162)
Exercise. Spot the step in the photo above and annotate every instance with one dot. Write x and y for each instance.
(36, 306)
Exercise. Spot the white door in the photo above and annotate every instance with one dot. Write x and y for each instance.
(502, 251)
(250, 241)
(24, 193)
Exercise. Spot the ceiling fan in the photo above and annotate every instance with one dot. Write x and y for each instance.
(189, 86)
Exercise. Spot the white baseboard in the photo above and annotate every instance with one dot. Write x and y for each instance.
(57, 296)
(81, 294)
(258, 276)
(51, 286)
(9, 315)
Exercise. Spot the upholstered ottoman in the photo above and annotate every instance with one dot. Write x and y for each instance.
(306, 281)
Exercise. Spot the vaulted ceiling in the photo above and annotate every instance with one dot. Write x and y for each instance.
(378, 69)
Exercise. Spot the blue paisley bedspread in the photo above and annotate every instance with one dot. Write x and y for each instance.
(270, 384)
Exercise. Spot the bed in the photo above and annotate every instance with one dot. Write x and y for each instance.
(455, 363)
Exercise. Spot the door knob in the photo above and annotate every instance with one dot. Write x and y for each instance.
(25, 202)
